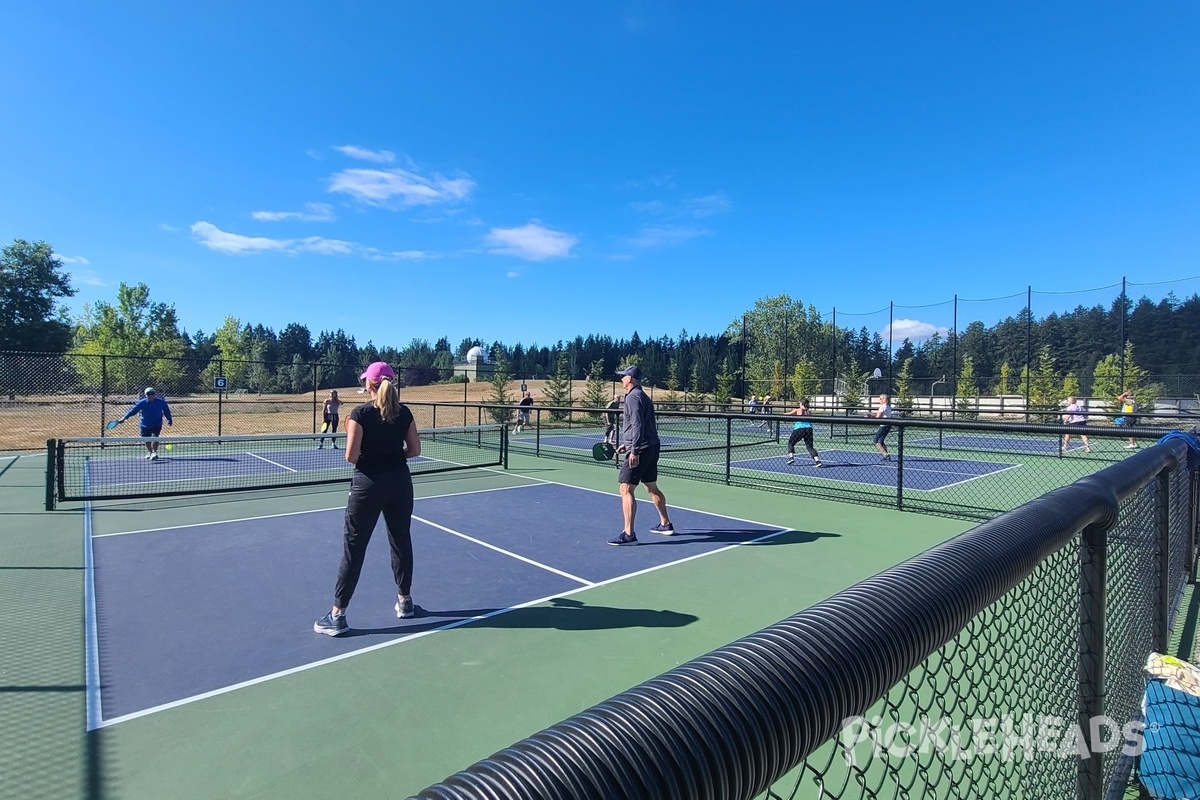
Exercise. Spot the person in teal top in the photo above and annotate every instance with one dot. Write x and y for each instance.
(802, 431)
(152, 409)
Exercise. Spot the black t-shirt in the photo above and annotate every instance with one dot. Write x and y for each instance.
(526, 401)
(382, 443)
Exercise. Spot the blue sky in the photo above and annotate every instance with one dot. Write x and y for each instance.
(529, 171)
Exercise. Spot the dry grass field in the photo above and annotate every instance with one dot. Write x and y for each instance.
(27, 422)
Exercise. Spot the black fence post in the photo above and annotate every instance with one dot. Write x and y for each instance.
(220, 396)
(1093, 566)
(1193, 524)
(728, 448)
(103, 392)
(537, 432)
(1162, 600)
(900, 468)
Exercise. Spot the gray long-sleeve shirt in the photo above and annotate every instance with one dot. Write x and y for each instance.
(638, 431)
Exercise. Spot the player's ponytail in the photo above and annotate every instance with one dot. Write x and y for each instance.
(387, 400)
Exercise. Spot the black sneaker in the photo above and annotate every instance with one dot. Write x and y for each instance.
(405, 608)
(331, 625)
(624, 538)
(818, 462)
(665, 530)
(790, 461)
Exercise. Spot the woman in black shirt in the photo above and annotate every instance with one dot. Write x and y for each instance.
(380, 438)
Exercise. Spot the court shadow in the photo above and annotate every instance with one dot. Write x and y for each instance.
(563, 613)
(732, 536)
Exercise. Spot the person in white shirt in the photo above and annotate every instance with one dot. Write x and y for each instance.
(884, 411)
(1075, 415)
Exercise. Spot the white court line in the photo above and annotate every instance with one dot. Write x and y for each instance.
(459, 623)
(269, 461)
(293, 513)
(501, 550)
(973, 478)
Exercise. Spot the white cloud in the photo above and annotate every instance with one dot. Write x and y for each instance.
(363, 154)
(71, 259)
(168, 228)
(914, 330)
(396, 255)
(532, 242)
(87, 277)
(649, 207)
(511, 274)
(662, 235)
(214, 238)
(708, 205)
(313, 212)
(695, 207)
(399, 187)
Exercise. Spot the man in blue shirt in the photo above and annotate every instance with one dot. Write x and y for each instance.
(640, 443)
(152, 408)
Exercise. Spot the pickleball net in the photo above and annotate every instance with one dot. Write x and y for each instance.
(111, 468)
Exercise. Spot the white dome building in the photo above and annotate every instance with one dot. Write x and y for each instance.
(476, 369)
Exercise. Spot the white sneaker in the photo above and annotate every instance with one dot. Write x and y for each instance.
(148, 456)
(154, 456)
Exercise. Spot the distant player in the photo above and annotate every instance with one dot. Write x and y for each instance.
(802, 431)
(884, 411)
(1075, 415)
(523, 411)
(1128, 418)
(152, 409)
(329, 416)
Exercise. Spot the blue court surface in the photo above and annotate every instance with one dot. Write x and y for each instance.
(186, 612)
(920, 472)
(178, 465)
(1033, 445)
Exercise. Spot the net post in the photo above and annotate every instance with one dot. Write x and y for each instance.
(51, 447)
(59, 471)
(900, 468)
(537, 432)
(504, 445)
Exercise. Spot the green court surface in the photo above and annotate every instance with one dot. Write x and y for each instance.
(388, 722)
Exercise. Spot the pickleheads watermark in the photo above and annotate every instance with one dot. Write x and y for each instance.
(988, 737)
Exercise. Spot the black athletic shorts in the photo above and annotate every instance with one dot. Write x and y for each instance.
(882, 433)
(148, 431)
(645, 472)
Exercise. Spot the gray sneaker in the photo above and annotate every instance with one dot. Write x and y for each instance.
(331, 625)
(405, 608)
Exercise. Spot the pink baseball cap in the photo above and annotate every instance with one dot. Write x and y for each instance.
(377, 372)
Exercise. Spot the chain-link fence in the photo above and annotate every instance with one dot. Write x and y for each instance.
(1004, 663)
(45, 396)
(971, 470)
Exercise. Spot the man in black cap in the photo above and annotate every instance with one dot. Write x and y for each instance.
(640, 444)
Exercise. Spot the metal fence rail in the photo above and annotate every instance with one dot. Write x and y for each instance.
(986, 667)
